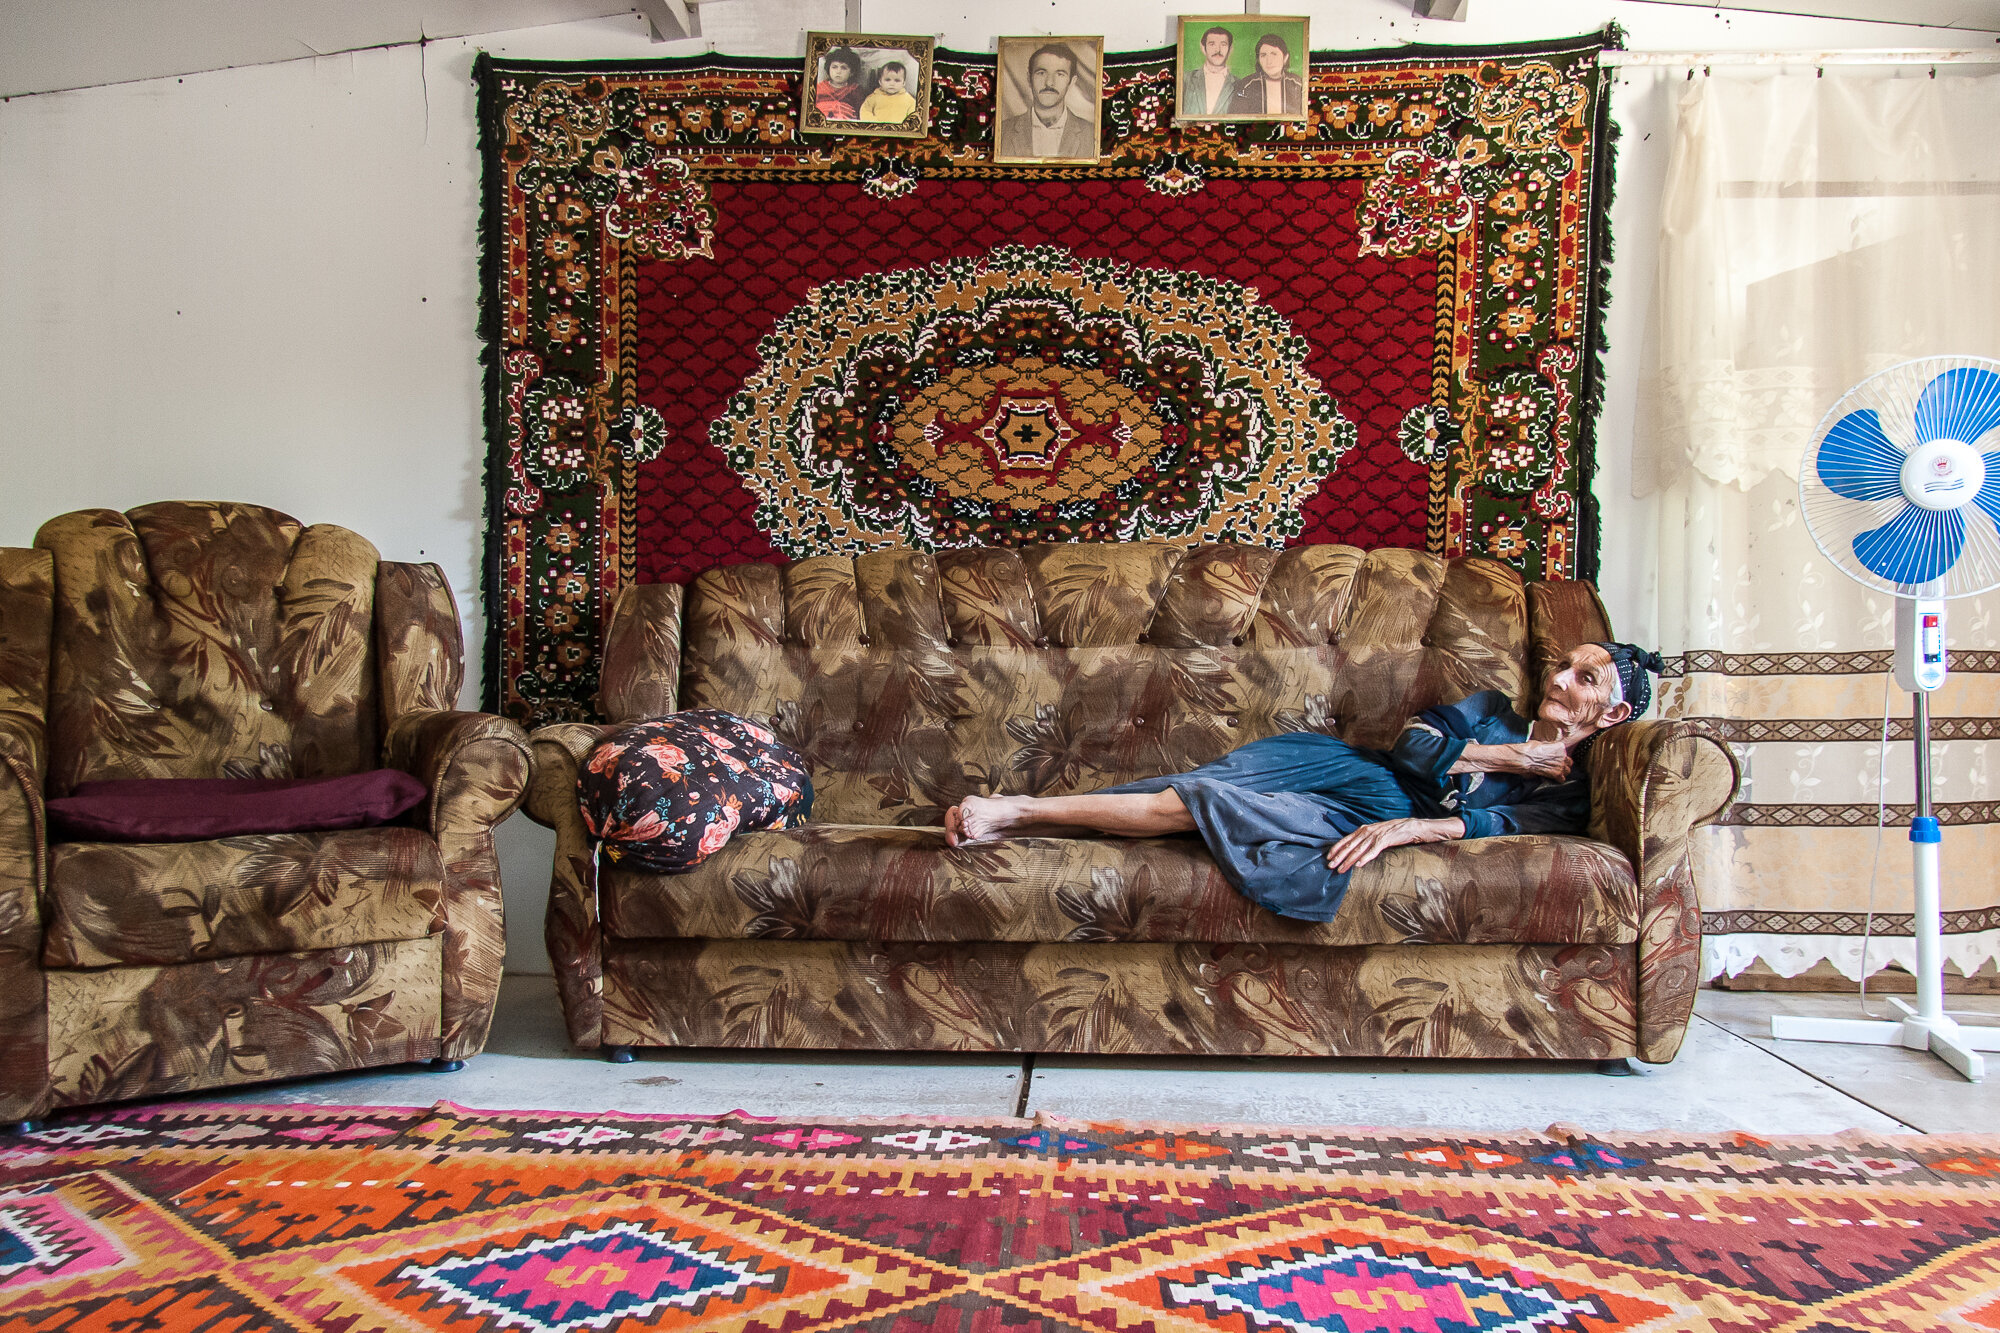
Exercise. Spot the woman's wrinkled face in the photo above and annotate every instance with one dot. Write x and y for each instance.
(1578, 692)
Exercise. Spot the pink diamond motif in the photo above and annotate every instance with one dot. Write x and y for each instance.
(42, 1236)
(587, 1279)
(1360, 1289)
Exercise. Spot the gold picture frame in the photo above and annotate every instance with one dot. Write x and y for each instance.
(871, 60)
(1029, 71)
(1275, 44)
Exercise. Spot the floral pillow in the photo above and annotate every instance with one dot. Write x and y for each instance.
(663, 796)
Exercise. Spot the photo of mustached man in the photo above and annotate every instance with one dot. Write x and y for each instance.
(1208, 89)
(1049, 91)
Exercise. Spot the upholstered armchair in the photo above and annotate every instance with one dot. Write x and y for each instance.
(206, 640)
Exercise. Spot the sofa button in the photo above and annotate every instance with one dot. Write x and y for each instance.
(951, 641)
(268, 706)
(1138, 721)
(858, 724)
(1041, 641)
(1237, 640)
(863, 641)
(1235, 721)
(1142, 636)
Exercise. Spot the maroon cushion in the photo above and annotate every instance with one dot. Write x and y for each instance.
(193, 809)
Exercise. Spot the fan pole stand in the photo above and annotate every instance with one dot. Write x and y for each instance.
(1926, 1027)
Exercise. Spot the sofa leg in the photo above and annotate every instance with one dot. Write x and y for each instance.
(1622, 1067)
(440, 1065)
(24, 1127)
(619, 1055)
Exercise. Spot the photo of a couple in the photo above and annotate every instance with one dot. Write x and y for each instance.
(1236, 68)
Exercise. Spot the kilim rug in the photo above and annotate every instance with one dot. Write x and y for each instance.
(711, 338)
(256, 1218)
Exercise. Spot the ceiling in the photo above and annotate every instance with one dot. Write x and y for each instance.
(52, 44)
(47, 45)
(1974, 15)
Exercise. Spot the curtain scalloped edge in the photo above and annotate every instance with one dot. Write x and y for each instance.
(1789, 955)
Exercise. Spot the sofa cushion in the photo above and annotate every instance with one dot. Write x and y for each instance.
(911, 680)
(175, 902)
(196, 809)
(853, 882)
(663, 796)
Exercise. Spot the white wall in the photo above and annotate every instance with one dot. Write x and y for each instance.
(261, 284)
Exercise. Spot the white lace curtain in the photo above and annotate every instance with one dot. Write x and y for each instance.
(1815, 230)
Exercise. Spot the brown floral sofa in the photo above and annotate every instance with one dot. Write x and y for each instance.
(911, 679)
(218, 640)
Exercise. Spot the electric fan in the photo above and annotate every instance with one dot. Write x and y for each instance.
(1901, 495)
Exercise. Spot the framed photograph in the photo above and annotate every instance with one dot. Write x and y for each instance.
(866, 83)
(1241, 67)
(1049, 98)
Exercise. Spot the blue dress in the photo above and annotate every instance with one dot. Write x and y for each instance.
(1268, 810)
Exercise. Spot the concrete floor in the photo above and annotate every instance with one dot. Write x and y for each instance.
(1730, 1075)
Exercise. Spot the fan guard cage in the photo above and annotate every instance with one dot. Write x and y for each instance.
(1836, 520)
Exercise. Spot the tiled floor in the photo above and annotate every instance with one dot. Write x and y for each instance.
(1730, 1075)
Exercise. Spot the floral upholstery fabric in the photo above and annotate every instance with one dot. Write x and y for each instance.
(180, 902)
(27, 603)
(846, 882)
(210, 640)
(147, 1031)
(913, 679)
(1541, 1001)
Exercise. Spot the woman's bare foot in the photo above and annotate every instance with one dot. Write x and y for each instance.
(980, 819)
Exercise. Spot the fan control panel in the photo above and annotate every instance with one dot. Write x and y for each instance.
(1920, 652)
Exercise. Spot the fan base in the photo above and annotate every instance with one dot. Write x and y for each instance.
(1940, 1035)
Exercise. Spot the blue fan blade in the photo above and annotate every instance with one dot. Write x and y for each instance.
(1961, 404)
(1916, 546)
(1856, 459)
(1989, 490)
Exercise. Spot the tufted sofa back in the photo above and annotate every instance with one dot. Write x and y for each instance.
(911, 679)
(209, 640)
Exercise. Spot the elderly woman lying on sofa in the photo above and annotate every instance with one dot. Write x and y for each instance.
(1288, 818)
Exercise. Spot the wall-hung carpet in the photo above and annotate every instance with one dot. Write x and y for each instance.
(266, 1218)
(711, 338)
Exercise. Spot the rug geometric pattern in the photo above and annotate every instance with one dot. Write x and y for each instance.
(240, 1218)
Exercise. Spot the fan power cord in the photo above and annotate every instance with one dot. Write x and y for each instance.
(1875, 864)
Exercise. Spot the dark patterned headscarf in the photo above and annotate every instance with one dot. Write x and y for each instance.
(1633, 662)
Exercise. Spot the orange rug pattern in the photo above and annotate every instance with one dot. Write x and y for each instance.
(257, 1218)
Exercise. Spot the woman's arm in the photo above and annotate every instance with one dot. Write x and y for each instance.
(1535, 759)
(1369, 841)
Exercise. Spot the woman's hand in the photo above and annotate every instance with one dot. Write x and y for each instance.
(1543, 759)
(1369, 841)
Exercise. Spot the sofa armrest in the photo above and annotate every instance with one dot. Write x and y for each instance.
(474, 764)
(1651, 784)
(476, 767)
(575, 943)
(27, 617)
(640, 673)
(24, 1053)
